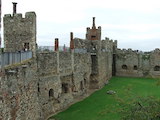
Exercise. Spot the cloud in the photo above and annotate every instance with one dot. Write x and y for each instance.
(133, 27)
(127, 21)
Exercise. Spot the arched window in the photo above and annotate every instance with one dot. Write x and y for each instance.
(51, 93)
(124, 67)
(157, 68)
(135, 67)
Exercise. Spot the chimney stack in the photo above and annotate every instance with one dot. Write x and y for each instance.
(56, 47)
(14, 7)
(94, 26)
(71, 41)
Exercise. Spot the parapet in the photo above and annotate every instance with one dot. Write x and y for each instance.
(7, 15)
(99, 27)
(129, 50)
(111, 41)
(88, 28)
(19, 16)
(30, 14)
(115, 42)
(106, 38)
(157, 50)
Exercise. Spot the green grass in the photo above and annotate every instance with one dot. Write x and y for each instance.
(101, 106)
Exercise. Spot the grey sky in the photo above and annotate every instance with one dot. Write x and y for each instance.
(134, 23)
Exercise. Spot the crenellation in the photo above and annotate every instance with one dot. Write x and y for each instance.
(88, 28)
(30, 14)
(106, 38)
(157, 50)
(124, 50)
(99, 27)
(17, 16)
(7, 16)
(115, 41)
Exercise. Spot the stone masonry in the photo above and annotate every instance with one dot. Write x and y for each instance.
(20, 33)
(51, 81)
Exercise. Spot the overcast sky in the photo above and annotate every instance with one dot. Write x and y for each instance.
(134, 23)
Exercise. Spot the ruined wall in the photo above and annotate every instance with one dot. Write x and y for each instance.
(101, 53)
(137, 64)
(19, 32)
(82, 71)
(63, 76)
(103, 64)
(49, 82)
(19, 91)
(127, 63)
(59, 78)
(42, 86)
(155, 63)
(108, 48)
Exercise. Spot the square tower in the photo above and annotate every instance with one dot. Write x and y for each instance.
(93, 33)
(19, 32)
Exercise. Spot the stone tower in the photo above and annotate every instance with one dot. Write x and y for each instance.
(19, 32)
(93, 33)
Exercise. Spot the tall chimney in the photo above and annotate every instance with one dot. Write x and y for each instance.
(14, 7)
(94, 26)
(56, 47)
(71, 41)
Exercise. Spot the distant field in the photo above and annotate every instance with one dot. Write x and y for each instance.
(101, 106)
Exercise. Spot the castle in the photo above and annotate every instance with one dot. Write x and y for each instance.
(47, 82)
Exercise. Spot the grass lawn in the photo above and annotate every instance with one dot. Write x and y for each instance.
(101, 106)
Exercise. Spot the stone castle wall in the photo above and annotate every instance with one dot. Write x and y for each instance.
(18, 92)
(49, 83)
(68, 79)
(137, 64)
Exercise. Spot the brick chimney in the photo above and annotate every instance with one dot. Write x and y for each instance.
(14, 7)
(56, 47)
(71, 41)
(93, 26)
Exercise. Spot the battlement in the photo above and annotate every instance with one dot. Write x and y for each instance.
(18, 16)
(114, 42)
(99, 28)
(157, 50)
(129, 50)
